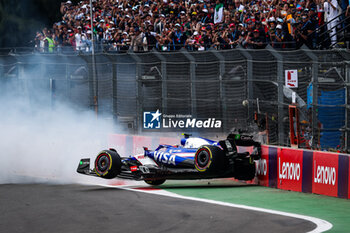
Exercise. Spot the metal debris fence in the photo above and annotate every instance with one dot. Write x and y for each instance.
(208, 84)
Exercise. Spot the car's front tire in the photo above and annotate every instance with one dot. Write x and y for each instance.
(108, 164)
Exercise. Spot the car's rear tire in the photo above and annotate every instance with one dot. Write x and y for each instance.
(155, 182)
(108, 164)
(244, 169)
(209, 159)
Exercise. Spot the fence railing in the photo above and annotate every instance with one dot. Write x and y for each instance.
(242, 88)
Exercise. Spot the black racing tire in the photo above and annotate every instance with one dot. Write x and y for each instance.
(244, 169)
(209, 158)
(155, 182)
(108, 164)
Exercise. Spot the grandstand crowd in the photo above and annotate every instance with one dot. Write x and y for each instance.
(167, 25)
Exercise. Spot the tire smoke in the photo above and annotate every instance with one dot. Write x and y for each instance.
(40, 143)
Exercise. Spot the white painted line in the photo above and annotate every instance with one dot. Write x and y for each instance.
(321, 225)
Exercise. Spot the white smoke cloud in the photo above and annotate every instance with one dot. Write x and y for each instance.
(39, 143)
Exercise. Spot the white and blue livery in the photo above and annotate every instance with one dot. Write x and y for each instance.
(194, 158)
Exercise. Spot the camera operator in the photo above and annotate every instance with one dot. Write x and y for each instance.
(303, 32)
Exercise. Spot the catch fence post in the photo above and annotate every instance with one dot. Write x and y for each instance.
(314, 82)
(110, 57)
(193, 80)
(91, 81)
(221, 59)
(139, 97)
(164, 79)
(250, 80)
(280, 82)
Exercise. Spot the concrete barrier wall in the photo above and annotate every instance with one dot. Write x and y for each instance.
(297, 170)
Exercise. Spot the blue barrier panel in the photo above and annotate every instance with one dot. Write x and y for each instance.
(307, 171)
(343, 176)
(273, 167)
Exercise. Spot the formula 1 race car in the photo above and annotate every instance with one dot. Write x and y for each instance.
(196, 158)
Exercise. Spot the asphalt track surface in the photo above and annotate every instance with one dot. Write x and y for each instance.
(80, 208)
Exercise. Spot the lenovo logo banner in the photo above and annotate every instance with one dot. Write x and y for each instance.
(262, 167)
(324, 174)
(290, 163)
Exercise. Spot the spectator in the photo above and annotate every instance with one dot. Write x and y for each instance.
(58, 39)
(309, 25)
(49, 42)
(87, 41)
(315, 26)
(39, 42)
(125, 42)
(177, 37)
(163, 41)
(278, 37)
(80, 39)
(137, 40)
(159, 24)
(71, 40)
(256, 42)
(347, 23)
(151, 37)
(205, 16)
(241, 39)
(262, 34)
(290, 18)
(100, 41)
(195, 25)
(271, 33)
(331, 11)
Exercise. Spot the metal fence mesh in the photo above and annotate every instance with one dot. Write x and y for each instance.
(210, 84)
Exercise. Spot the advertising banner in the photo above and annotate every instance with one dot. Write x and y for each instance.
(290, 163)
(325, 174)
(262, 167)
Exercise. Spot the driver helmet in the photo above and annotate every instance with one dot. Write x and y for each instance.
(183, 141)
